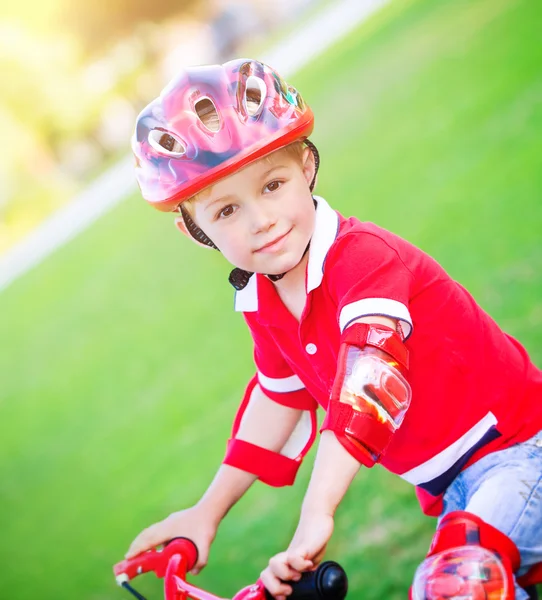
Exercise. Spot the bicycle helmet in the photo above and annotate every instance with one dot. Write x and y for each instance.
(178, 155)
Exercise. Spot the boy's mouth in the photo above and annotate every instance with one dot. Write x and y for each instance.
(274, 244)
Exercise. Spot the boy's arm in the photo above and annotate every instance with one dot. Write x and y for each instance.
(264, 423)
(274, 461)
(267, 423)
(334, 469)
(333, 472)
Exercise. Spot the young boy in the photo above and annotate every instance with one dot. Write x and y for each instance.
(411, 372)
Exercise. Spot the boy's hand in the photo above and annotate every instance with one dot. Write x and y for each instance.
(304, 554)
(190, 523)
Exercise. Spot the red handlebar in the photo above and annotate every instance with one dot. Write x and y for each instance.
(172, 563)
(180, 555)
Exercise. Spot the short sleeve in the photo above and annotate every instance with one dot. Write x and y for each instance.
(367, 277)
(275, 375)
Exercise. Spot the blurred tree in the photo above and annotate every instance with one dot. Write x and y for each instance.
(101, 23)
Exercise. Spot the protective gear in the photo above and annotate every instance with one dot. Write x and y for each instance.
(180, 151)
(273, 468)
(468, 560)
(370, 394)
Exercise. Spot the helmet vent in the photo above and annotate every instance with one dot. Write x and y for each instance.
(255, 92)
(207, 113)
(166, 144)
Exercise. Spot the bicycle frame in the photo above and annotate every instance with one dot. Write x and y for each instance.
(177, 588)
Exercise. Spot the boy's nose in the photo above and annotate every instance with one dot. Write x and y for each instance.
(262, 219)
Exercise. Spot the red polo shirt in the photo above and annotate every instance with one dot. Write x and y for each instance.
(474, 388)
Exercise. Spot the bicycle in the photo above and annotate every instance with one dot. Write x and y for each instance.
(177, 557)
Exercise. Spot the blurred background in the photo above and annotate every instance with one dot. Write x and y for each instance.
(121, 361)
(78, 73)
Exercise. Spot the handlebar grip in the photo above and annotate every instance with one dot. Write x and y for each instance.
(327, 582)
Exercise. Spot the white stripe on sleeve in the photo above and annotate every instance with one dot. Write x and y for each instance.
(282, 384)
(373, 307)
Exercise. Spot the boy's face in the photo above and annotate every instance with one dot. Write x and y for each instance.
(262, 217)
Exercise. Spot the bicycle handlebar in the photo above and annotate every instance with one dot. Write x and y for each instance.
(177, 557)
(157, 560)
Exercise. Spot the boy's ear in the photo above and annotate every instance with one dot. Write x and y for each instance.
(309, 166)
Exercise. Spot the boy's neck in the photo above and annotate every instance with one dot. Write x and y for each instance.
(294, 281)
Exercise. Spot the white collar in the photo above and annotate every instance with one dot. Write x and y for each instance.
(326, 228)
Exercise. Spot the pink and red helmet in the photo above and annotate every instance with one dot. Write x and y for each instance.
(178, 155)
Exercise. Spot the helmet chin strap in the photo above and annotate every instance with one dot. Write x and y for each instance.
(239, 277)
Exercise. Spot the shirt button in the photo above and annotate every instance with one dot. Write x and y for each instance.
(311, 348)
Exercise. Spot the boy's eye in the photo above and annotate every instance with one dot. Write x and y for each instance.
(226, 211)
(273, 186)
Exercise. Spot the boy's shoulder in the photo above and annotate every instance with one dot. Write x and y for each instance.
(362, 237)
(365, 251)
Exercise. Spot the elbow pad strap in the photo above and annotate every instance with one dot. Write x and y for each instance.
(351, 427)
(272, 468)
(276, 469)
(380, 337)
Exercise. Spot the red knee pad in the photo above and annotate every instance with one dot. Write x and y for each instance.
(468, 559)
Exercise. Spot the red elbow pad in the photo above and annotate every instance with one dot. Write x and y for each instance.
(358, 432)
(272, 468)
(370, 394)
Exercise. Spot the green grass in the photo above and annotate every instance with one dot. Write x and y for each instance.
(121, 359)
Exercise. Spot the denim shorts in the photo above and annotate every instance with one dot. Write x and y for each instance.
(505, 490)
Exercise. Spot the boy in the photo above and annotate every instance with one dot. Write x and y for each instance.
(346, 316)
